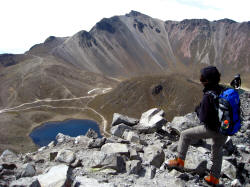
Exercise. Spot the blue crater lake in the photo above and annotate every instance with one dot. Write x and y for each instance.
(46, 133)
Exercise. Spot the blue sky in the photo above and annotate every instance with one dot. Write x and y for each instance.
(25, 23)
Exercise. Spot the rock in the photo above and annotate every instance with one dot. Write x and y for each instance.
(26, 181)
(91, 134)
(153, 155)
(103, 160)
(228, 169)
(60, 138)
(83, 141)
(150, 172)
(51, 144)
(8, 155)
(118, 119)
(118, 130)
(236, 183)
(66, 156)
(28, 170)
(134, 155)
(56, 176)
(96, 143)
(115, 148)
(196, 162)
(133, 167)
(181, 123)
(83, 181)
(151, 121)
(42, 149)
(131, 136)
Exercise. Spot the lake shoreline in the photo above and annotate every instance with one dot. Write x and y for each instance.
(74, 127)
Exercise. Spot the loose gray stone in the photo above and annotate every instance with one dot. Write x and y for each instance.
(236, 183)
(150, 172)
(118, 130)
(131, 136)
(133, 167)
(115, 148)
(103, 160)
(8, 155)
(228, 169)
(56, 176)
(96, 143)
(91, 134)
(118, 119)
(60, 138)
(151, 121)
(134, 155)
(66, 156)
(153, 155)
(181, 123)
(26, 182)
(28, 170)
(83, 141)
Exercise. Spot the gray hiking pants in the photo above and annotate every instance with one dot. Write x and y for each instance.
(201, 132)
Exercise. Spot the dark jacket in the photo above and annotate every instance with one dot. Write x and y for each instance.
(206, 110)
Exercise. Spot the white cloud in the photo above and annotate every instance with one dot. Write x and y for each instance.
(28, 22)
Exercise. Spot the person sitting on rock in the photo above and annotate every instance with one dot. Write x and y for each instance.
(209, 127)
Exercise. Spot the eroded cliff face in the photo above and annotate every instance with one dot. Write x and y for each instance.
(136, 44)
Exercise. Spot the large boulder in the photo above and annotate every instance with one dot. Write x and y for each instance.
(118, 130)
(56, 176)
(151, 121)
(115, 148)
(28, 170)
(8, 155)
(228, 169)
(133, 167)
(181, 123)
(65, 156)
(61, 138)
(119, 118)
(104, 161)
(131, 136)
(153, 155)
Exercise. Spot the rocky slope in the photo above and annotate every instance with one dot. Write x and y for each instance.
(137, 44)
(135, 155)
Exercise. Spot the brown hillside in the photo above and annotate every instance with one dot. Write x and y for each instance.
(132, 97)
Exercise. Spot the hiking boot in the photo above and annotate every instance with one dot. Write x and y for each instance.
(211, 180)
(176, 163)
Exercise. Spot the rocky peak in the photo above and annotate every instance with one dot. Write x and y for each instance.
(136, 14)
(50, 39)
(108, 24)
(226, 20)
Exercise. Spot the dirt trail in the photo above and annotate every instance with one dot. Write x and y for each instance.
(25, 106)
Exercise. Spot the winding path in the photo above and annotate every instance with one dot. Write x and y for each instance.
(19, 107)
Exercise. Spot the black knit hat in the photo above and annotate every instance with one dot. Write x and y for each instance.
(211, 74)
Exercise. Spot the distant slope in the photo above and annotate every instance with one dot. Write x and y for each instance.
(132, 97)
